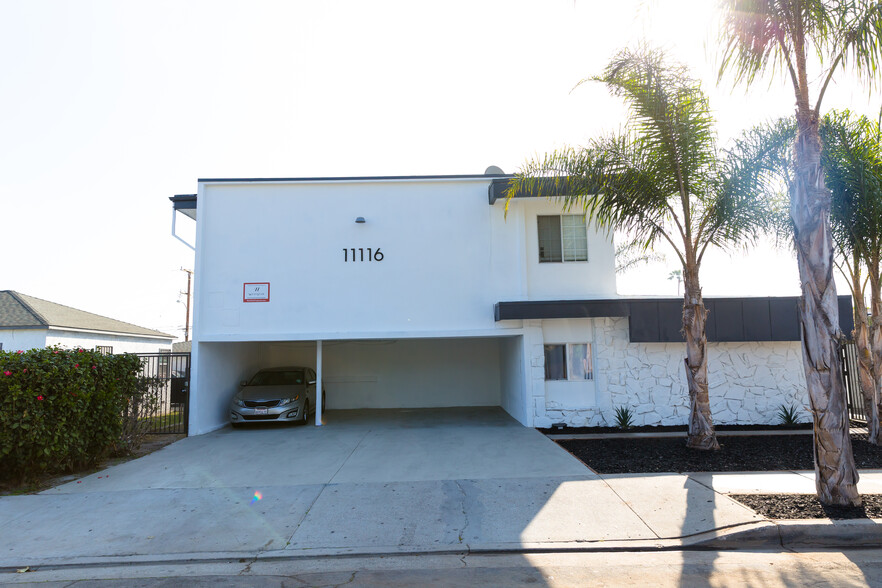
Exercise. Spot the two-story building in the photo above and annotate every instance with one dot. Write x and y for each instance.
(410, 292)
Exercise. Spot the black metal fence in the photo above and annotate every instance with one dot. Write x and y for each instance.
(856, 410)
(167, 409)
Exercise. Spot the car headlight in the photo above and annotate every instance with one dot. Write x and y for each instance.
(238, 401)
(287, 401)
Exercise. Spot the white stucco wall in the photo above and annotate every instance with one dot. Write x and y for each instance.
(216, 371)
(120, 343)
(748, 381)
(512, 383)
(22, 339)
(448, 258)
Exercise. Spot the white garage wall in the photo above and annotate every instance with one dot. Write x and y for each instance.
(400, 373)
(218, 369)
(512, 382)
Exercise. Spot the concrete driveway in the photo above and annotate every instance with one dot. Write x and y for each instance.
(367, 482)
(352, 447)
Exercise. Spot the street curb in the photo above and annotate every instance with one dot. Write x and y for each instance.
(767, 534)
(799, 533)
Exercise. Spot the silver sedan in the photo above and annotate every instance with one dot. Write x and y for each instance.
(282, 394)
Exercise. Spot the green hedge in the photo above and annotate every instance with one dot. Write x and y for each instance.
(61, 409)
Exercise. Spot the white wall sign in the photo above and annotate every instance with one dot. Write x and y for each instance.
(256, 292)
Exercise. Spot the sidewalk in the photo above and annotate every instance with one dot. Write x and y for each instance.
(371, 490)
(609, 512)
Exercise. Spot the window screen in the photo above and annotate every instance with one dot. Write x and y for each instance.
(580, 361)
(575, 238)
(562, 238)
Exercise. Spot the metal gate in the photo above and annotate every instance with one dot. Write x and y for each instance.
(166, 379)
(848, 356)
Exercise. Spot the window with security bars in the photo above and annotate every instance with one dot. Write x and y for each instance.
(104, 350)
(562, 238)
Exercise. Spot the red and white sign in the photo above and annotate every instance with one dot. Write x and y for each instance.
(255, 292)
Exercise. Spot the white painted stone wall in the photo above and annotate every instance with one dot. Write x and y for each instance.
(748, 381)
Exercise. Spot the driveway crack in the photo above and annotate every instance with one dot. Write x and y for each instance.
(465, 515)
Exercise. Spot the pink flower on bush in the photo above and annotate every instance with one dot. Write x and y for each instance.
(40, 397)
(24, 371)
(76, 365)
(94, 367)
(79, 350)
(55, 352)
(19, 351)
(7, 373)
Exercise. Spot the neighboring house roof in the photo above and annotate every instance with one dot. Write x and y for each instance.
(182, 347)
(19, 311)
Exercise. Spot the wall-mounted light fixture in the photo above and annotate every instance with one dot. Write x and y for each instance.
(360, 220)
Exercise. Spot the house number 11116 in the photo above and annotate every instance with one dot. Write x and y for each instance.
(359, 255)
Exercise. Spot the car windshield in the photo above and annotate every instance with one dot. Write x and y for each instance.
(291, 378)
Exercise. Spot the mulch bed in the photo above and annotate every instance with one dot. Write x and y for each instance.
(806, 506)
(736, 454)
(671, 429)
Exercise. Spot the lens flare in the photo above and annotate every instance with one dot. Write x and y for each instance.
(257, 496)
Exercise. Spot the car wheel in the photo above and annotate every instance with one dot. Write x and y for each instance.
(305, 413)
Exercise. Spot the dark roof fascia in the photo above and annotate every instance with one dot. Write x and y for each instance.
(184, 201)
(354, 178)
(658, 320)
(551, 309)
(549, 188)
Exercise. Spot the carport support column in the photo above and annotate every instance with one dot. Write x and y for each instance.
(318, 383)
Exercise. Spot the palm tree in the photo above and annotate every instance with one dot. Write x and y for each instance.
(661, 181)
(852, 159)
(768, 36)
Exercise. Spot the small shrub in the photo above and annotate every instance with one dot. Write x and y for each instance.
(62, 409)
(788, 415)
(624, 418)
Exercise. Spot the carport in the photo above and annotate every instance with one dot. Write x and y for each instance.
(370, 374)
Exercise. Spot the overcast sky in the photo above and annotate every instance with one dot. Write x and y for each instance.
(108, 108)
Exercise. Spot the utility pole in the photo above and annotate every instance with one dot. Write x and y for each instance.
(187, 323)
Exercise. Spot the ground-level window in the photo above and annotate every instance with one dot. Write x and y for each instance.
(568, 361)
(104, 350)
(562, 238)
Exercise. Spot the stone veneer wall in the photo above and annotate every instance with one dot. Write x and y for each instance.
(748, 381)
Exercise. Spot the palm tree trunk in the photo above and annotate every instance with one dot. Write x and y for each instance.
(836, 476)
(866, 369)
(875, 338)
(701, 424)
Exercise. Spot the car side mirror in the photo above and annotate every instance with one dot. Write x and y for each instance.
(311, 382)
(243, 383)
